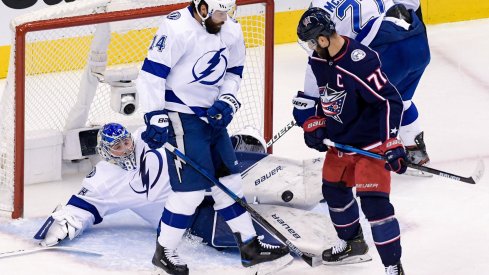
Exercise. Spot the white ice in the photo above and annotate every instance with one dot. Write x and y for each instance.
(444, 223)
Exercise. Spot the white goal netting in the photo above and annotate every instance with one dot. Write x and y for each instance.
(55, 81)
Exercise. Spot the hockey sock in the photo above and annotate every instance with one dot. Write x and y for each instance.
(343, 210)
(385, 228)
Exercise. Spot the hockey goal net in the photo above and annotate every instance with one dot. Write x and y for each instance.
(47, 77)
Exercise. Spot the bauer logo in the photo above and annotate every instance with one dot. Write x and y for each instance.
(286, 226)
(268, 175)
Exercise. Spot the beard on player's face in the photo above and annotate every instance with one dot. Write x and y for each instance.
(212, 27)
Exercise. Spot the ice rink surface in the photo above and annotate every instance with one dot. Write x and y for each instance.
(444, 223)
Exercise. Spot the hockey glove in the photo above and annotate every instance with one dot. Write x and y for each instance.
(64, 225)
(315, 132)
(222, 111)
(156, 133)
(304, 107)
(395, 155)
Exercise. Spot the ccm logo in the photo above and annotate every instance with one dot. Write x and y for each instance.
(299, 104)
(392, 143)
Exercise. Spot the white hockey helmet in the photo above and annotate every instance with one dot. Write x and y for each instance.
(116, 145)
(249, 139)
(226, 6)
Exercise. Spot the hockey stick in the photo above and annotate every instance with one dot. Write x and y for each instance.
(43, 248)
(281, 133)
(308, 258)
(475, 177)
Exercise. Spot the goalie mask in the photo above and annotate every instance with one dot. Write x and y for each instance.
(249, 139)
(116, 145)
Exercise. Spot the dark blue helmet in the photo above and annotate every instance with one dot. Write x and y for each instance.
(314, 22)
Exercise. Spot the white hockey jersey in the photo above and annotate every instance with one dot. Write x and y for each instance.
(187, 68)
(109, 188)
(359, 20)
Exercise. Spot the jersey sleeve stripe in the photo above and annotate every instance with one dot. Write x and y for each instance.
(236, 70)
(156, 68)
(361, 82)
(83, 204)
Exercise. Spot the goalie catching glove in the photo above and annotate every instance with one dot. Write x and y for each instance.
(222, 111)
(64, 224)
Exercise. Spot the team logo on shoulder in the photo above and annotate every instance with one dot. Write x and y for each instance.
(332, 102)
(92, 173)
(210, 67)
(358, 55)
(174, 15)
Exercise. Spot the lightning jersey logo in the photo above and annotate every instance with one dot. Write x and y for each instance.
(332, 102)
(147, 181)
(210, 68)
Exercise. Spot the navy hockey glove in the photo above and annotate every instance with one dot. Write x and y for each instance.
(395, 154)
(156, 133)
(304, 107)
(222, 111)
(315, 132)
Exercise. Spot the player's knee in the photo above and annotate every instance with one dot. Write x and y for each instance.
(233, 183)
(184, 202)
(376, 207)
(337, 195)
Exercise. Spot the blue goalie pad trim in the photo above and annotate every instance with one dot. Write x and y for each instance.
(80, 203)
(156, 69)
(232, 211)
(179, 221)
(247, 160)
(41, 234)
(236, 70)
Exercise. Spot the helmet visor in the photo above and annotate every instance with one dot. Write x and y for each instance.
(309, 45)
(219, 16)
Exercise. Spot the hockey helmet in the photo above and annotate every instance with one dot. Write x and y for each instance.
(313, 23)
(116, 145)
(217, 7)
(249, 139)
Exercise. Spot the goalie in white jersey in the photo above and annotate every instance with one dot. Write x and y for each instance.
(188, 86)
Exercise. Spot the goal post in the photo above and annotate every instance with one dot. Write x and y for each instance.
(49, 56)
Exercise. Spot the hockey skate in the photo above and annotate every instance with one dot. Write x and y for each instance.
(263, 258)
(417, 154)
(394, 270)
(167, 261)
(347, 252)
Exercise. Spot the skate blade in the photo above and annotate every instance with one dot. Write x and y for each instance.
(272, 267)
(351, 260)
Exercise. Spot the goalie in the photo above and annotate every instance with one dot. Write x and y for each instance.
(133, 176)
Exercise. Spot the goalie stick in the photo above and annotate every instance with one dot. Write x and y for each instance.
(44, 248)
(310, 259)
(475, 177)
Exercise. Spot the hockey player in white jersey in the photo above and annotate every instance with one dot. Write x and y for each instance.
(131, 176)
(188, 87)
(399, 37)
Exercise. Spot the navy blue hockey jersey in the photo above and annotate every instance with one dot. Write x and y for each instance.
(363, 108)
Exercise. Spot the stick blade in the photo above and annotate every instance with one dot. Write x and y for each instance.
(479, 171)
